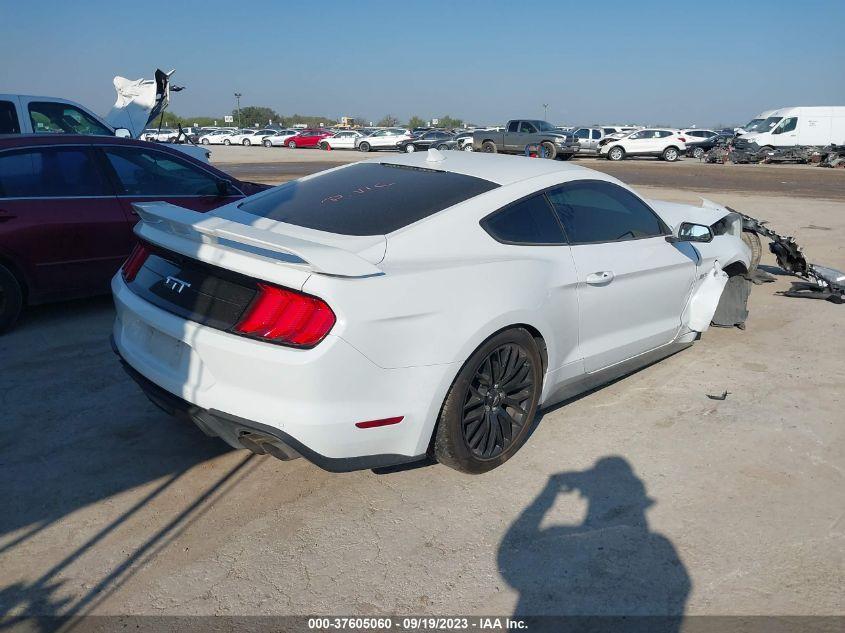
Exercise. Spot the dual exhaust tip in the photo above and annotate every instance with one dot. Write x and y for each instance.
(267, 445)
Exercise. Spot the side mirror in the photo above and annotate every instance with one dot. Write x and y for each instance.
(224, 187)
(690, 232)
(122, 132)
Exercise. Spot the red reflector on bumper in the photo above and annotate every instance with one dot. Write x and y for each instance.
(385, 422)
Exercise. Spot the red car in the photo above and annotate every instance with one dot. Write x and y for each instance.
(308, 138)
(65, 209)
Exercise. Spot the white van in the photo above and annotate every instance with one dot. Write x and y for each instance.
(803, 125)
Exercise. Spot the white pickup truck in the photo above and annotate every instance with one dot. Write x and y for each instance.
(138, 102)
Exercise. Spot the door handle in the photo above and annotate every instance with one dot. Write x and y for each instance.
(600, 278)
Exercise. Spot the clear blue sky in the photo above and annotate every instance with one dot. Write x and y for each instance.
(673, 62)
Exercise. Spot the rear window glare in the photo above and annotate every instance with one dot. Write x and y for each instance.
(366, 199)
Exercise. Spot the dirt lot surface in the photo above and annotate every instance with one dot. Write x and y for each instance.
(643, 496)
(278, 164)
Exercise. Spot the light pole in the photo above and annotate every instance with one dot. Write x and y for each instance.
(545, 111)
(238, 96)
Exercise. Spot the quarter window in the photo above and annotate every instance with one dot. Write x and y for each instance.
(529, 221)
(9, 118)
(151, 173)
(597, 211)
(51, 118)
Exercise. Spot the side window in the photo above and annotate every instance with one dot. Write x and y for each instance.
(596, 134)
(513, 126)
(9, 118)
(529, 221)
(787, 125)
(582, 133)
(151, 173)
(51, 173)
(597, 211)
(16, 176)
(526, 128)
(49, 117)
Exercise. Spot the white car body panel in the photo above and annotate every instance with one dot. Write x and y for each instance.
(411, 306)
(279, 140)
(345, 139)
(384, 139)
(138, 102)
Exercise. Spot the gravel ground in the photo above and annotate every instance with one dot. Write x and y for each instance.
(279, 164)
(643, 496)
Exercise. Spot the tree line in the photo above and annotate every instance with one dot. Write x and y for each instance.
(259, 116)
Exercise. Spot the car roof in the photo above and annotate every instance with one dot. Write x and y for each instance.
(498, 168)
(12, 141)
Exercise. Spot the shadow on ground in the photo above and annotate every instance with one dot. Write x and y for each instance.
(57, 460)
(609, 565)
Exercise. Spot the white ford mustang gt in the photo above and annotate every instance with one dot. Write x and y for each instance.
(416, 304)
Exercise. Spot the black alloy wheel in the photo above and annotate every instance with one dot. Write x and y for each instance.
(497, 401)
(490, 408)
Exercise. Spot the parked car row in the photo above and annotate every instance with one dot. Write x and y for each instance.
(364, 140)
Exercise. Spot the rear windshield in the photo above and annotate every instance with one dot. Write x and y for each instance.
(366, 199)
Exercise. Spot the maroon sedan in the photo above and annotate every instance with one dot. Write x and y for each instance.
(307, 138)
(65, 209)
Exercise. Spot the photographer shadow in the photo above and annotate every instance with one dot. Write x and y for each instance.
(610, 572)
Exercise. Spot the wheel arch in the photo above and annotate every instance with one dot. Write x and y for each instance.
(18, 273)
(540, 341)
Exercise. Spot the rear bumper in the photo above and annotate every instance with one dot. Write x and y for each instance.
(257, 437)
(308, 401)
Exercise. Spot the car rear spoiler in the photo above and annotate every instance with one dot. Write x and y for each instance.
(321, 258)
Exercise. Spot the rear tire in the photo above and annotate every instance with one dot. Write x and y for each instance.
(204, 141)
(698, 152)
(410, 149)
(292, 144)
(268, 144)
(11, 299)
(489, 410)
(488, 147)
(247, 142)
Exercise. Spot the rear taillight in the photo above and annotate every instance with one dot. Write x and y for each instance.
(287, 317)
(682, 139)
(136, 259)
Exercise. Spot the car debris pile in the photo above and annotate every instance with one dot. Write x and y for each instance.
(740, 151)
(818, 282)
(832, 156)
